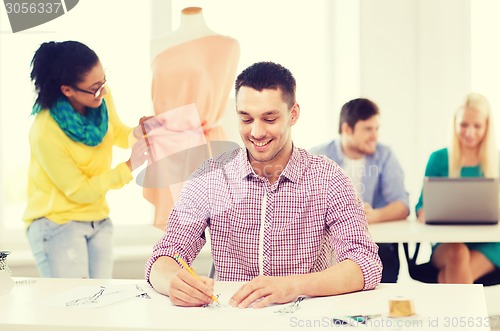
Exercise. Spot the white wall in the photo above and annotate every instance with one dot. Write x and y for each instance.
(415, 64)
(485, 53)
(389, 74)
(418, 61)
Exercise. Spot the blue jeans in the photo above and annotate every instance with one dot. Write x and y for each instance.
(72, 250)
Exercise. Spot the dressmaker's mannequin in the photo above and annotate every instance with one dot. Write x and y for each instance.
(192, 26)
(192, 65)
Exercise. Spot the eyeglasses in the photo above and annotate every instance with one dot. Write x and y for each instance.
(96, 93)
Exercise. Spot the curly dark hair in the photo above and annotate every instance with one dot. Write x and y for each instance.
(59, 63)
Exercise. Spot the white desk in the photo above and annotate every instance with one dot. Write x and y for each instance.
(412, 231)
(438, 307)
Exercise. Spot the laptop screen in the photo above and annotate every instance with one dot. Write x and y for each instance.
(461, 200)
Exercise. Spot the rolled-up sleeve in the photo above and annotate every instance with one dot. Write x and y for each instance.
(392, 181)
(186, 225)
(349, 230)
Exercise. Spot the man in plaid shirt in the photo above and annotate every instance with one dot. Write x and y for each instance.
(286, 222)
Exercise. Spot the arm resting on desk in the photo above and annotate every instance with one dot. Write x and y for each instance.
(396, 210)
(168, 278)
(262, 291)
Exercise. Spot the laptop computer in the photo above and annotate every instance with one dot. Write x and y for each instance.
(461, 200)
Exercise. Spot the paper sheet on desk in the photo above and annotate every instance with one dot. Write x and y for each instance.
(302, 306)
(279, 313)
(94, 296)
(274, 317)
(279, 316)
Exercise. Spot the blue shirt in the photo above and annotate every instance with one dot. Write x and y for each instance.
(383, 178)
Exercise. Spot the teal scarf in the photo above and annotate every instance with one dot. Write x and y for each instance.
(89, 129)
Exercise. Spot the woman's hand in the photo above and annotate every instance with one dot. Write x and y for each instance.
(141, 150)
(421, 215)
(140, 154)
(144, 128)
(138, 130)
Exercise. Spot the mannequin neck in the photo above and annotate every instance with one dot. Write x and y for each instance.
(193, 22)
(192, 26)
(192, 10)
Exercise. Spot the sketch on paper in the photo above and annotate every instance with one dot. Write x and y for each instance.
(215, 305)
(284, 309)
(96, 296)
(291, 308)
(87, 300)
(143, 294)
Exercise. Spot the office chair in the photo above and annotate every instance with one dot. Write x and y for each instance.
(212, 273)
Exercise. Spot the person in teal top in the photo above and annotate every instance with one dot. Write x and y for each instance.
(473, 153)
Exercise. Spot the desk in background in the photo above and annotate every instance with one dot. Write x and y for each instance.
(438, 307)
(412, 231)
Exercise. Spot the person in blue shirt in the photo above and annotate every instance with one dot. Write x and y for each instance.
(374, 171)
(473, 153)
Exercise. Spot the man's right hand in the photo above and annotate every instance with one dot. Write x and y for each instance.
(188, 291)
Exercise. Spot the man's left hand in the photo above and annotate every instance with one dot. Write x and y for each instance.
(263, 291)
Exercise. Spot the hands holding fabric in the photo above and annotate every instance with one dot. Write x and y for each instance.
(141, 149)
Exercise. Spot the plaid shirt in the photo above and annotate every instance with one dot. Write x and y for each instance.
(309, 219)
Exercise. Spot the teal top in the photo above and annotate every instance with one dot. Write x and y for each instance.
(437, 166)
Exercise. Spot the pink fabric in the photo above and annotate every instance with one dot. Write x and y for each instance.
(174, 131)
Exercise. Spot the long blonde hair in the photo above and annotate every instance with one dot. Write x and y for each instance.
(488, 154)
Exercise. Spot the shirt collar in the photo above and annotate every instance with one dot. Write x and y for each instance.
(292, 171)
(244, 168)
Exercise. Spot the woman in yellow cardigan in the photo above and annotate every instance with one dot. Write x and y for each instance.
(71, 142)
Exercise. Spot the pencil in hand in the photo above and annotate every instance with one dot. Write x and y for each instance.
(191, 271)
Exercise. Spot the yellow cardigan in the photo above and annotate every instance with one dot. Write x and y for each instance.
(68, 180)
